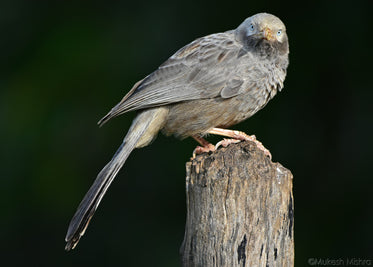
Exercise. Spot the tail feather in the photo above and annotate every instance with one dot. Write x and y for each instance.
(92, 199)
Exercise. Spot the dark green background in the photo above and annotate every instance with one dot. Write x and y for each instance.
(64, 64)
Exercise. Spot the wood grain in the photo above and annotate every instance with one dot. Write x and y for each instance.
(239, 210)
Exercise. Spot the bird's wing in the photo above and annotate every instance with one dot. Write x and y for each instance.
(202, 69)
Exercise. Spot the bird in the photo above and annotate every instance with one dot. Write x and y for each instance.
(210, 84)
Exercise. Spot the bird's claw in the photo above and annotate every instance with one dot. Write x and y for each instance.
(203, 149)
(258, 144)
(226, 142)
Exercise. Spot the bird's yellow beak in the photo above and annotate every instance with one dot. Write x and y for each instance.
(267, 34)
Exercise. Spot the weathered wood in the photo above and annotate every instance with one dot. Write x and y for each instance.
(239, 210)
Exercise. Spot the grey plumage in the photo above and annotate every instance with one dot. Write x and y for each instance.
(215, 81)
(139, 135)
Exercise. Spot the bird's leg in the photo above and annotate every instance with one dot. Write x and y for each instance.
(237, 136)
(205, 146)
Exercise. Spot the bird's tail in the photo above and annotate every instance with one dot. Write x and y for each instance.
(140, 127)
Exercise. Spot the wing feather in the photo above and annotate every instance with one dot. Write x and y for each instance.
(200, 70)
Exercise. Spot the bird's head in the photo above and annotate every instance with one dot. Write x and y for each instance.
(262, 30)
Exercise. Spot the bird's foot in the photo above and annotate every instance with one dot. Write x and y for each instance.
(240, 136)
(258, 144)
(204, 148)
(226, 142)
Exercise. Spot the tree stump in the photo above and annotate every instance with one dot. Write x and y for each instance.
(239, 210)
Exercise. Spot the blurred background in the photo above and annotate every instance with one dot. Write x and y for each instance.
(64, 64)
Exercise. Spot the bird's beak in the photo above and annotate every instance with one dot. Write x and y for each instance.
(267, 34)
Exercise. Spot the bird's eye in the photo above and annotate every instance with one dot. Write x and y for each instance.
(279, 32)
(251, 27)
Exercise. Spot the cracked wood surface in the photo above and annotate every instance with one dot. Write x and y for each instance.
(239, 210)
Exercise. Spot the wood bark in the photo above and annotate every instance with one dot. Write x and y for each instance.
(239, 210)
